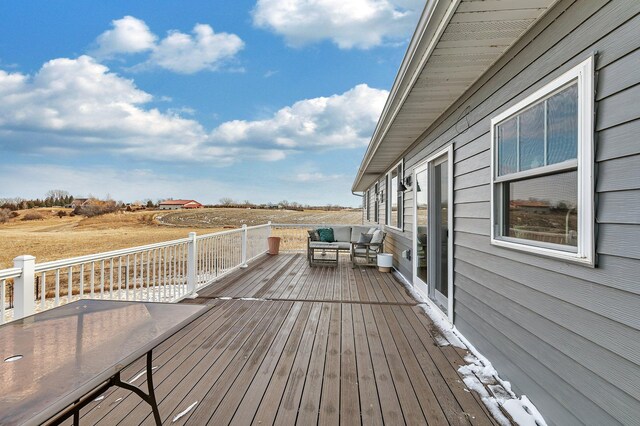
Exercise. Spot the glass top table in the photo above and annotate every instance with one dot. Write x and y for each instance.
(51, 360)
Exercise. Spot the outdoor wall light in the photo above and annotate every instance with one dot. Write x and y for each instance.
(403, 186)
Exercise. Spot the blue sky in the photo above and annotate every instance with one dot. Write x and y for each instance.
(260, 100)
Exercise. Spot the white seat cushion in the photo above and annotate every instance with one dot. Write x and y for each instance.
(377, 238)
(357, 230)
(342, 233)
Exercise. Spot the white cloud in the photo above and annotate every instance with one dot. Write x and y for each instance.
(77, 105)
(177, 52)
(349, 24)
(188, 54)
(78, 102)
(129, 35)
(317, 177)
(339, 121)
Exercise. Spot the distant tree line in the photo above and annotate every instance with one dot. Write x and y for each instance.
(95, 206)
(227, 202)
(53, 198)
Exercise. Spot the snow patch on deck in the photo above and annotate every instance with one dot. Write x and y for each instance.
(140, 374)
(478, 374)
(523, 412)
(182, 413)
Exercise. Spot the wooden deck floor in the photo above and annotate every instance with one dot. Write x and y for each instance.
(320, 345)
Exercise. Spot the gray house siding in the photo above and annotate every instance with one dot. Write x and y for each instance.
(566, 335)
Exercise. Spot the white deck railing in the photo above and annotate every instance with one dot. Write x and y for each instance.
(161, 272)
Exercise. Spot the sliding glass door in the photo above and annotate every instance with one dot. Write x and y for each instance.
(432, 217)
(440, 232)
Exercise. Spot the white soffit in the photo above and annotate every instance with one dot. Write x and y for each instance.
(456, 41)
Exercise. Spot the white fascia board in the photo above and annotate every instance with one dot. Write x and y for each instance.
(388, 116)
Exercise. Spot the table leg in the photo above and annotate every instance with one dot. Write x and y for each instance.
(149, 398)
(152, 394)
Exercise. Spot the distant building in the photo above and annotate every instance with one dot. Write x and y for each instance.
(179, 204)
(531, 206)
(77, 202)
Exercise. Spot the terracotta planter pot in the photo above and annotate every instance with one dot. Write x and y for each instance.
(274, 245)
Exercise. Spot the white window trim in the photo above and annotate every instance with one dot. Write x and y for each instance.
(387, 180)
(584, 73)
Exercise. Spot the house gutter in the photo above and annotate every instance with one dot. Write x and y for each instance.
(446, 8)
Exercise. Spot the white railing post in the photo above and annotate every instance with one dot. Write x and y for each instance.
(270, 228)
(192, 266)
(23, 287)
(244, 246)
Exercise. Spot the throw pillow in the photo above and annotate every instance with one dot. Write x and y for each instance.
(372, 230)
(364, 238)
(313, 235)
(326, 235)
(377, 237)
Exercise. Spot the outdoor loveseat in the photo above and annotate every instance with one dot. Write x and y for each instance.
(355, 239)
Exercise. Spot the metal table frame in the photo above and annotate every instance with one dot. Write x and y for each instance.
(149, 398)
(314, 261)
(69, 404)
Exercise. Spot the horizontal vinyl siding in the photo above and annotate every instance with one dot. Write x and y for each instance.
(566, 335)
(395, 243)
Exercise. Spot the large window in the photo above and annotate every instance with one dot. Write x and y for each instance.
(542, 170)
(394, 197)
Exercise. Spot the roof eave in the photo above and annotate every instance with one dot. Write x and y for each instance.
(399, 90)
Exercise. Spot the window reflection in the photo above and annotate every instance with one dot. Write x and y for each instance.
(562, 125)
(532, 138)
(393, 199)
(545, 134)
(422, 216)
(543, 209)
(508, 147)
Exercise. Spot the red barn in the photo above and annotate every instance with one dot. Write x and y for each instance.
(180, 204)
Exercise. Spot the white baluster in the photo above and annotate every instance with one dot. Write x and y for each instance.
(43, 291)
(56, 300)
(81, 280)
(111, 278)
(93, 279)
(126, 279)
(102, 279)
(70, 284)
(3, 298)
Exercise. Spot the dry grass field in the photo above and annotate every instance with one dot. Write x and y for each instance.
(237, 217)
(55, 238)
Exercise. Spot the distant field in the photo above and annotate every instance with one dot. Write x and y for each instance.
(249, 217)
(55, 238)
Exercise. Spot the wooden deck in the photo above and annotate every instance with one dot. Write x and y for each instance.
(322, 345)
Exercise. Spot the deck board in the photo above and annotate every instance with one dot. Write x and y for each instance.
(322, 345)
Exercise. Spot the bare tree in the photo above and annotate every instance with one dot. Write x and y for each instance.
(226, 201)
(57, 194)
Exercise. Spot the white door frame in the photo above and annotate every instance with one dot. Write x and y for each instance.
(420, 286)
